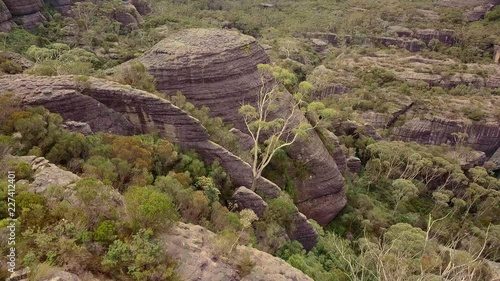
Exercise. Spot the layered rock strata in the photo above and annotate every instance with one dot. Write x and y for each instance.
(114, 108)
(25, 12)
(218, 69)
(436, 130)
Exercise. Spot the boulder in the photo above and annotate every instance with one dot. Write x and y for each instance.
(319, 45)
(247, 199)
(400, 31)
(142, 6)
(31, 21)
(19, 275)
(26, 12)
(331, 38)
(199, 257)
(17, 58)
(412, 45)
(217, 68)
(495, 158)
(62, 6)
(23, 7)
(6, 23)
(128, 16)
(354, 164)
(79, 127)
(245, 140)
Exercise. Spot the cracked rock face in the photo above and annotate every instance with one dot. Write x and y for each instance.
(218, 69)
(106, 106)
(199, 258)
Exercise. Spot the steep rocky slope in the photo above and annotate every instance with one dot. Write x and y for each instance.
(193, 247)
(218, 68)
(114, 108)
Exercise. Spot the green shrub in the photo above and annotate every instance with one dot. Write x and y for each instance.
(474, 113)
(150, 208)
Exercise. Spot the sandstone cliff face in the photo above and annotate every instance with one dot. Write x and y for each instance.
(218, 68)
(6, 22)
(114, 108)
(481, 136)
(25, 12)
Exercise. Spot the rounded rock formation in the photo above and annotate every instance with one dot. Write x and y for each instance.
(217, 68)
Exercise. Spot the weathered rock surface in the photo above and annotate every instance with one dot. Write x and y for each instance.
(436, 130)
(473, 10)
(24, 12)
(324, 82)
(466, 157)
(211, 67)
(218, 68)
(196, 250)
(354, 164)
(46, 174)
(332, 144)
(114, 108)
(247, 199)
(62, 6)
(6, 22)
(79, 127)
(245, 140)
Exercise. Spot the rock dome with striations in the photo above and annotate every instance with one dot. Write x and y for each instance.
(217, 68)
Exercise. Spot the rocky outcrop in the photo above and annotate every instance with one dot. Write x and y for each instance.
(473, 10)
(354, 164)
(62, 6)
(324, 82)
(142, 6)
(218, 69)
(128, 16)
(445, 36)
(199, 257)
(333, 146)
(114, 108)
(245, 140)
(436, 130)
(211, 67)
(29, 13)
(26, 12)
(410, 44)
(247, 199)
(6, 22)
